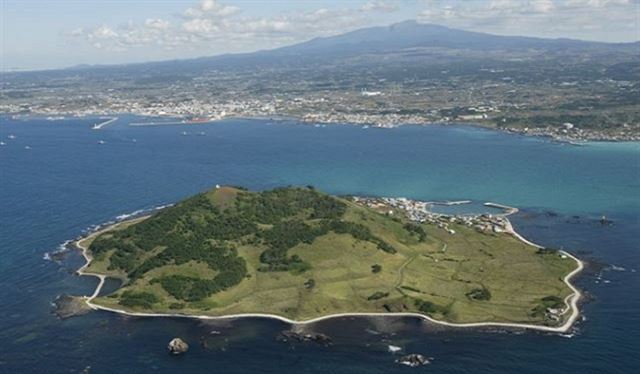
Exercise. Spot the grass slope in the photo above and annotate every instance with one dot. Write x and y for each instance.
(302, 254)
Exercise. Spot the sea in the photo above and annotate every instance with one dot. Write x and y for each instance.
(60, 178)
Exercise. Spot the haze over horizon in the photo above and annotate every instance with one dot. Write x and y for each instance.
(38, 34)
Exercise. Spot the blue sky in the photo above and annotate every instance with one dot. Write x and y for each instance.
(38, 34)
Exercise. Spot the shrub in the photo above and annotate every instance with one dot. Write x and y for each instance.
(377, 295)
(479, 294)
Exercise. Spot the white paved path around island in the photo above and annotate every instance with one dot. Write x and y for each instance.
(571, 301)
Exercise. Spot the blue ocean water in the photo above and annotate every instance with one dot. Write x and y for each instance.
(56, 180)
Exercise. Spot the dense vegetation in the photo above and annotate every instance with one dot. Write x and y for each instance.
(416, 230)
(138, 299)
(208, 228)
(430, 308)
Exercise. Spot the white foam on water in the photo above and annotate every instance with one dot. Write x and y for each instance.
(394, 348)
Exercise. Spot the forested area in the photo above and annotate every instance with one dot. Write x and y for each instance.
(199, 229)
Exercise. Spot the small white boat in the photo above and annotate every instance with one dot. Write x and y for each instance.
(2, 143)
(134, 140)
(365, 126)
(101, 142)
(184, 133)
(11, 136)
(27, 147)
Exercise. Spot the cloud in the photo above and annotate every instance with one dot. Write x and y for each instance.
(378, 6)
(212, 21)
(157, 23)
(199, 26)
(545, 18)
(208, 8)
(213, 25)
(598, 3)
(76, 32)
(103, 32)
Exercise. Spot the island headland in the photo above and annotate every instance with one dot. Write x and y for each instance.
(302, 256)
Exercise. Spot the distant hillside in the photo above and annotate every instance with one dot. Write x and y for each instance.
(383, 40)
(411, 34)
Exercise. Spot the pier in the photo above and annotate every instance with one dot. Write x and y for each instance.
(507, 209)
(100, 125)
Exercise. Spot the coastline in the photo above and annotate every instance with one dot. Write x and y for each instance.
(548, 133)
(570, 301)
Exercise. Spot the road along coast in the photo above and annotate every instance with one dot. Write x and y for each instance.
(571, 301)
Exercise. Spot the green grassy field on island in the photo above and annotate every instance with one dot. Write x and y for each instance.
(302, 254)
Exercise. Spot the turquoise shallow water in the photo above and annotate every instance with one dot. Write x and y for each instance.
(67, 182)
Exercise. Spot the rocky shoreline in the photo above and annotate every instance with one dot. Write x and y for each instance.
(67, 306)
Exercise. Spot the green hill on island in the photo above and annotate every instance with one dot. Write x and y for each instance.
(301, 254)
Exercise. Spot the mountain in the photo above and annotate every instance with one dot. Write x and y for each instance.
(411, 34)
(406, 39)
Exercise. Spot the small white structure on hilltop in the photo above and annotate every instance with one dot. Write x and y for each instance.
(568, 125)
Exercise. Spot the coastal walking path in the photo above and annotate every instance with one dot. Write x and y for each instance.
(571, 301)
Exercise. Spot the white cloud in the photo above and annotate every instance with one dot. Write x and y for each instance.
(211, 24)
(208, 8)
(199, 26)
(157, 23)
(212, 20)
(379, 6)
(581, 19)
(543, 6)
(597, 3)
(76, 32)
(103, 32)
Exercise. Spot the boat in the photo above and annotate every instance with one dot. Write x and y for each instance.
(101, 142)
(27, 147)
(2, 143)
(184, 133)
(365, 126)
(11, 136)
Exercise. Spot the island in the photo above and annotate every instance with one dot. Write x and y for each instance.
(300, 255)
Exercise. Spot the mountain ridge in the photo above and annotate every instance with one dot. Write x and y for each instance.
(370, 40)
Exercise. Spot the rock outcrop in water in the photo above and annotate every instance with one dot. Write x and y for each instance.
(177, 346)
(413, 360)
(67, 306)
(292, 336)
